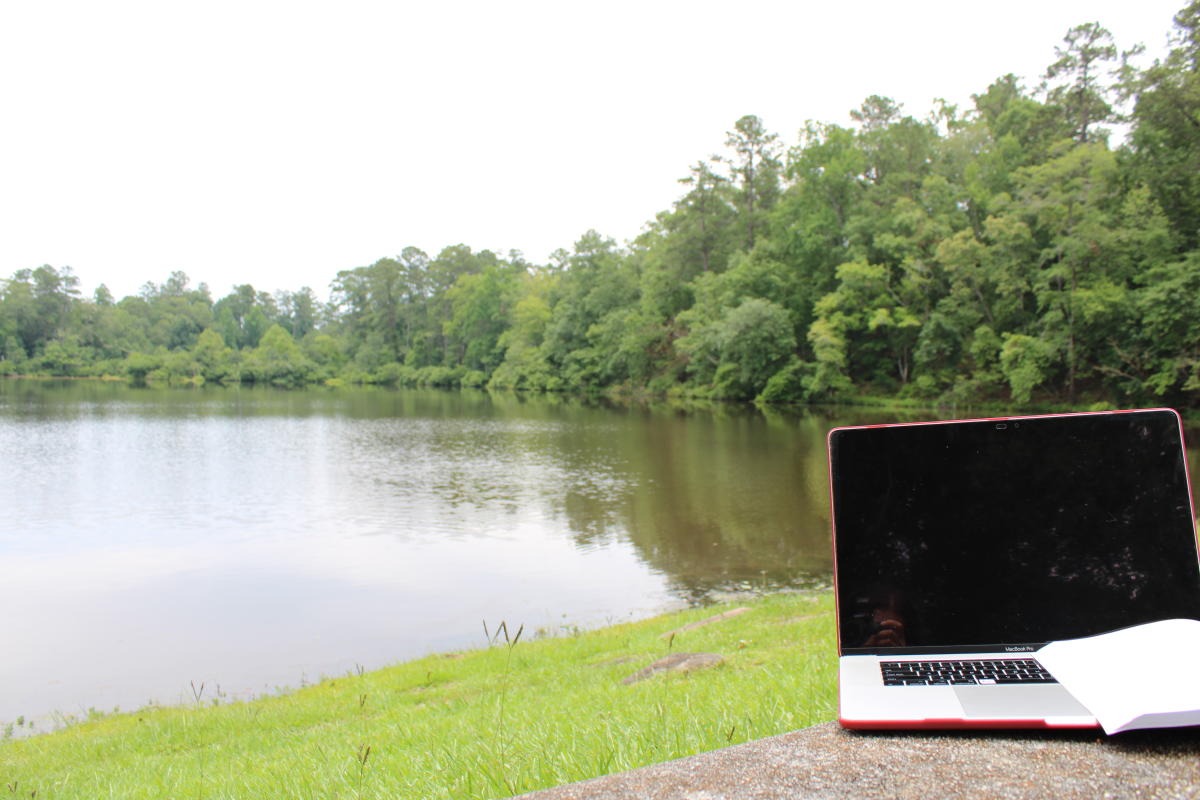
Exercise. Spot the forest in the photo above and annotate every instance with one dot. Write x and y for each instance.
(1006, 252)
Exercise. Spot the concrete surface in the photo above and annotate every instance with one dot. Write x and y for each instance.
(828, 762)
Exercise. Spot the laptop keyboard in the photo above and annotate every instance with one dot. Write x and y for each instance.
(956, 673)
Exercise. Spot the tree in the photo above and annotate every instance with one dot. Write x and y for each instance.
(1168, 332)
(694, 238)
(415, 312)
(368, 300)
(298, 311)
(1070, 202)
(63, 357)
(1024, 361)
(874, 117)
(443, 272)
(1081, 93)
(213, 356)
(244, 315)
(754, 341)
(1165, 142)
(756, 171)
(598, 280)
(277, 360)
(867, 328)
(899, 150)
(702, 220)
(36, 305)
(814, 217)
(524, 365)
(480, 306)
(1021, 129)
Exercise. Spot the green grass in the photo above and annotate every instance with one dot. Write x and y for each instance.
(485, 723)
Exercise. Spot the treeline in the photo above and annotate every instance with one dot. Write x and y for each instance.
(999, 252)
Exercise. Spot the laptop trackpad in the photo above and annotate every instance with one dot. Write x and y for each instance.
(1023, 702)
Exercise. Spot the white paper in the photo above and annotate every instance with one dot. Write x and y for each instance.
(1147, 676)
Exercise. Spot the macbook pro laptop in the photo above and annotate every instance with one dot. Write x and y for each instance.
(961, 548)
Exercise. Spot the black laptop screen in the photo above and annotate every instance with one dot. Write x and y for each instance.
(1010, 533)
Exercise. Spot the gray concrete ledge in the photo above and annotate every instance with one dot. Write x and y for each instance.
(828, 762)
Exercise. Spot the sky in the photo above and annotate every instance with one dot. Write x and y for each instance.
(276, 143)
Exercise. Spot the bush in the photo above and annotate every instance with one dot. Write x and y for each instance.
(438, 376)
(395, 374)
(1025, 362)
(524, 370)
(789, 385)
(138, 366)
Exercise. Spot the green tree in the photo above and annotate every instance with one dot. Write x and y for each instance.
(754, 340)
(694, 238)
(243, 316)
(597, 281)
(277, 360)
(1024, 361)
(1167, 337)
(1070, 202)
(756, 169)
(1082, 93)
(866, 327)
(36, 305)
(1164, 146)
(1020, 129)
(213, 356)
(524, 365)
(63, 357)
(298, 311)
(480, 304)
(813, 218)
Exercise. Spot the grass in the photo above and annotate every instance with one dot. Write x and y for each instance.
(515, 716)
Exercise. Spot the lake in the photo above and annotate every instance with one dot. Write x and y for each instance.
(253, 539)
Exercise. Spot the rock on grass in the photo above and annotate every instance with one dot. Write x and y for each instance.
(676, 662)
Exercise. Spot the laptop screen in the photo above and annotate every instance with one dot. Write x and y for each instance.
(1007, 534)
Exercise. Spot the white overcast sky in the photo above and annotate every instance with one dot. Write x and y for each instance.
(275, 143)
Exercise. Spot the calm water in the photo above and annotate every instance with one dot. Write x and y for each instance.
(256, 539)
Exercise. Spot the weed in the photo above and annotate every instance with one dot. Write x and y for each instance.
(364, 753)
(500, 736)
(197, 694)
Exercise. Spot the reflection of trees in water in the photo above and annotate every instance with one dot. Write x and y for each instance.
(729, 502)
(594, 521)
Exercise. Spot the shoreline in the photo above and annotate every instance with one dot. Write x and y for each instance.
(905, 406)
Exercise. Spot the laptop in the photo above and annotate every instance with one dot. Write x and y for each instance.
(961, 548)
